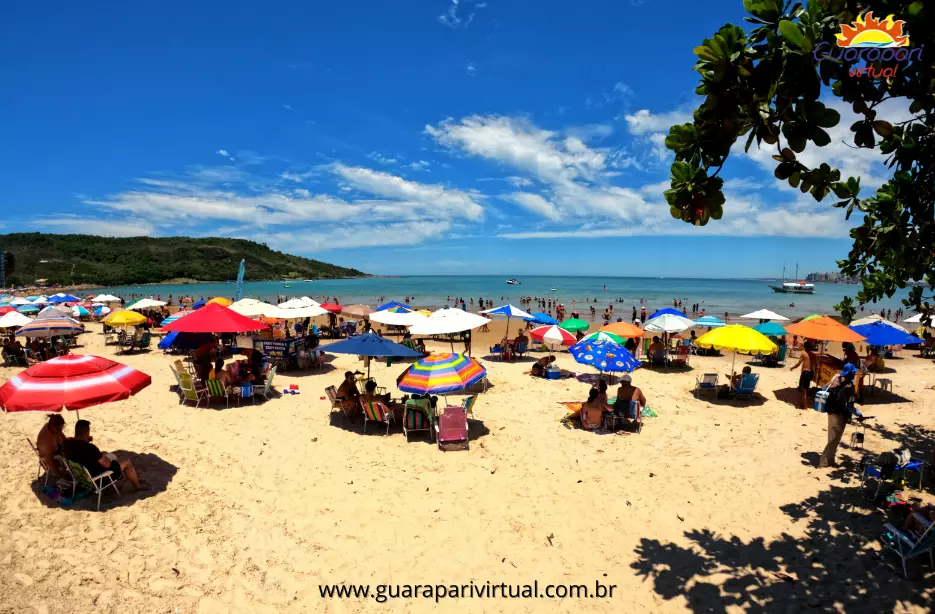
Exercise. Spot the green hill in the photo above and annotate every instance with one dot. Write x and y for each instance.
(108, 261)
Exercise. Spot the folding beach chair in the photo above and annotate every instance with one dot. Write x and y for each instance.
(218, 390)
(682, 355)
(746, 386)
(522, 349)
(12, 360)
(452, 428)
(417, 416)
(377, 412)
(658, 358)
(96, 484)
(42, 465)
(468, 405)
(708, 381)
(876, 472)
(189, 391)
(909, 546)
(266, 389)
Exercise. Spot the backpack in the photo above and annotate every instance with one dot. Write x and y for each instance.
(839, 398)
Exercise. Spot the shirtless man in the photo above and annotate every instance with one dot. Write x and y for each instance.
(349, 395)
(805, 379)
(82, 451)
(625, 393)
(50, 441)
(538, 369)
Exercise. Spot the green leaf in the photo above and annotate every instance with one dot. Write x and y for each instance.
(829, 118)
(883, 128)
(820, 137)
(791, 33)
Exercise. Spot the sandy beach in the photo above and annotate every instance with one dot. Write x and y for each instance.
(716, 507)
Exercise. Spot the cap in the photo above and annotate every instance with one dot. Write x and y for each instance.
(626, 378)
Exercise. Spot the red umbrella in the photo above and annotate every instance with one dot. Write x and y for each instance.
(553, 335)
(214, 318)
(332, 307)
(6, 310)
(71, 382)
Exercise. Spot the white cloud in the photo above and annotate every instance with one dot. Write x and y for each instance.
(419, 165)
(380, 158)
(536, 204)
(288, 107)
(591, 132)
(100, 227)
(519, 182)
(225, 153)
(451, 18)
(471, 70)
(643, 121)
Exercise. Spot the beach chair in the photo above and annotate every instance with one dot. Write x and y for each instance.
(875, 472)
(658, 358)
(362, 386)
(634, 412)
(746, 386)
(909, 546)
(377, 412)
(522, 349)
(708, 381)
(266, 389)
(219, 390)
(189, 391)
(11, 360)
(179, 367)
(95, 484)
(246, 390)
(468, 405)
(42, 465)
(682, 355)
(452, 428)
(417, 416)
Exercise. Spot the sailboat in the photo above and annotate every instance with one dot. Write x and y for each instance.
(796, 287)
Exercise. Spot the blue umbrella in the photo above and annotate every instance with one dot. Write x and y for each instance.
(392, 305)
(674, 312)
(542, 318)
(604, 356)
(712, 322)
(769, 329)
(200, 304)
(185, 341)
(27, 309)
(63, 298)
(510, 312)
(879, 333)
(175, 316)
(371, 344)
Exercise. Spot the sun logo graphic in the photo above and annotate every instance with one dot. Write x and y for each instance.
(868, 31)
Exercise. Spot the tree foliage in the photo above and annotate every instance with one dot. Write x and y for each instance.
(108, 261)
(766, 86)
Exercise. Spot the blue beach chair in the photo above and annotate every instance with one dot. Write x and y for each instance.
(909, 546)
(746, 386)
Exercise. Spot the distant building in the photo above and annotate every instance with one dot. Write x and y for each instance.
(834, 277)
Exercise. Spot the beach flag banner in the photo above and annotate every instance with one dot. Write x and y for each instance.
(238, 295)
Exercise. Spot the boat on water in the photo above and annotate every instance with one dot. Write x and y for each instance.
(308, 281)
(553, 289)
(793, 287)
(513, 282)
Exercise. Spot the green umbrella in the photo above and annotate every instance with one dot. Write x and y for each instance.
(811, 317)
(602, 336)
(574, 325)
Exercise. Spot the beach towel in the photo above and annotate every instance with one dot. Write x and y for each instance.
(563, 374)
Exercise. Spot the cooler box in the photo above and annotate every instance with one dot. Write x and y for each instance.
(553, 373)
(821, 397)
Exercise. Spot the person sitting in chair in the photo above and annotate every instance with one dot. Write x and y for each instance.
(349, 396)
(220, 373)
(538, 369)
(521, 339)
(370, 396)
(50, 442)
(626, 393)
(592, 411)
(82, 451)
(656, 346)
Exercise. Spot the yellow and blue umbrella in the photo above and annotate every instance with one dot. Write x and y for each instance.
(604, 356)
(442, 373)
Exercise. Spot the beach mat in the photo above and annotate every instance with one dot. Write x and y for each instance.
(562, 375)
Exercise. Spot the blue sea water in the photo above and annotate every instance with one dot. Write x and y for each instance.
(717, 296)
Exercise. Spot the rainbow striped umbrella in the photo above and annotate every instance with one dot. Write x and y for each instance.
(442, 373)
(175, 316)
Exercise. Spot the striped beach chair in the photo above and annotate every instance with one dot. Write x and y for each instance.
(418, 417)
(377, 412)
(217, 390)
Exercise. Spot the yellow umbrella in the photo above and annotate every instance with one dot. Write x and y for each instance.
(124, 318)
(737, 338)
(220, 300)
(424, 312)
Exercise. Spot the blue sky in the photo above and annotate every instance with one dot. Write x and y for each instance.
(396, 137)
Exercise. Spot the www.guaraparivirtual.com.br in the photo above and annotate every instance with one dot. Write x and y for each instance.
(488, 590)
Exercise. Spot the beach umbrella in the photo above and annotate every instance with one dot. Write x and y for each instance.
(604, 336)
(624, 329)
(357, 311)
(823, 328)
(393, 305)
(28, 309)
(709, 322)
(106, 298)
(540, 317)
(668, 323)
(770, 329)
(296, 313)
(50, 328)
(6, 310)
(175, 316)
(14, 319)
(737, 338)
(80, 312)
(442, 373)
(445, 321)
(20, 301)
(765, 314)
(916, 319)
(371, 345)
(220, 300)
(604, 356)
(811, 317)
(510, 312)
(332, 307)
(185, 341)
(667, 310)
(63, 298)
(125, 318)
(875, 318)
(72, 382)
(553, 335)
(54, 312)
(146, 303)
(102, 311)
(393, 318)
(215, 319)
(299, 302)
(201, 304)
(879, 333)
(251, 308)
(574, 325)
(41, 299)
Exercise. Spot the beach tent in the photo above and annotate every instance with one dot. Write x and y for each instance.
(878, 333)
(765, 314)
(709, 322)
(770, 329)
(540, 317)
(146, 303)
(215, 319)
(667, 310)
(509, 311)
(393, 318)
(14, 319)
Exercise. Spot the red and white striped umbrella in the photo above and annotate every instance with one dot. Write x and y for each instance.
(74, 381)
(553, 335)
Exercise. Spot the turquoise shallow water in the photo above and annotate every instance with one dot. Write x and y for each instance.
(735, 296)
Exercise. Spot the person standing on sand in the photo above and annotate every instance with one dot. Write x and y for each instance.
(839, 406)
(807, 360)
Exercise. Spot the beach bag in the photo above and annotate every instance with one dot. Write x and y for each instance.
(839, 398)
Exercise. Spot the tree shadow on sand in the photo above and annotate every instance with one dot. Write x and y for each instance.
(151, 469)
(833, 567)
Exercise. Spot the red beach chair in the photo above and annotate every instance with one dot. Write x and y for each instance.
(452, 427)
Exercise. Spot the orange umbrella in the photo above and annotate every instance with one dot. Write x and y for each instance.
(266, 320)
(823, 329)
(625, 330)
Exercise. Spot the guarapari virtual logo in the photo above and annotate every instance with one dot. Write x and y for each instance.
(869, 40)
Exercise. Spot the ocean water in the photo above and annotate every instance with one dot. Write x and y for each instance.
(717, 296)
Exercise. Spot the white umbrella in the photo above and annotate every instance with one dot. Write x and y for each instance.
(875, 318)
(510, 312)
(19, 300)
(916, 319)
(296, 303)
(14, 319)
(445, 321)
(668, 323)
(106, 298)
(40, 299)
(146, 303)
(296, 313)
(765, 314)
(253, 308)
(407, 318)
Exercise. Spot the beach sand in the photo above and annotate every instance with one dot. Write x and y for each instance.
(715, 507)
